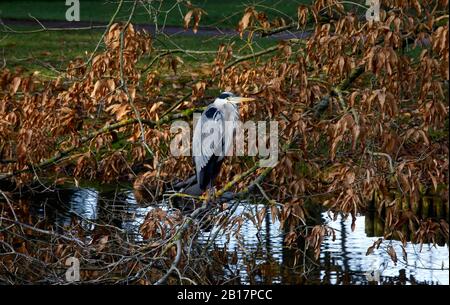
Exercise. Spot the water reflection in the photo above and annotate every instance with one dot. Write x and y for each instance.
(257, 247)
(61, 207)
(348, 255)
(258, 254)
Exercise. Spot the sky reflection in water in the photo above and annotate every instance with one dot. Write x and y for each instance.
(341, 261)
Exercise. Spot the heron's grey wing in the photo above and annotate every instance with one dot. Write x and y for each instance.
(210, 118)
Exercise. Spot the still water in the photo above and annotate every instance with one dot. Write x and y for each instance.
(342, 261)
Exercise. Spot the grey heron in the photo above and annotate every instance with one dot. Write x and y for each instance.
(212, 140)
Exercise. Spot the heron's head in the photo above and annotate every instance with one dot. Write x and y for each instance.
(230, 98)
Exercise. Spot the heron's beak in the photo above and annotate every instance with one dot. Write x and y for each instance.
(238, 99)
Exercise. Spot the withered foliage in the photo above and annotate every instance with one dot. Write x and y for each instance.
(362, 108)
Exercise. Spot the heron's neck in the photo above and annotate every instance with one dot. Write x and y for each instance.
(229, 110)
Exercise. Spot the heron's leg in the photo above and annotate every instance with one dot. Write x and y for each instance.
(210, 193)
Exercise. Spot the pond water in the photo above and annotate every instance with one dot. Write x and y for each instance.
(259, 252)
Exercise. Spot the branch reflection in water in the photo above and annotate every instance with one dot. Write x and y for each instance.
(257, 255)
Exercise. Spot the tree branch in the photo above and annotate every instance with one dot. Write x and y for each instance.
(107, 128)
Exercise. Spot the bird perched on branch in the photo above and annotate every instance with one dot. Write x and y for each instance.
(213, 136)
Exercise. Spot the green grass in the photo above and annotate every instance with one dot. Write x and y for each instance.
(225, 14)
(49, 51)
(45, 51)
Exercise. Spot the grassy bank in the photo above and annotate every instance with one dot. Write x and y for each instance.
(219, 13)
(50, 52)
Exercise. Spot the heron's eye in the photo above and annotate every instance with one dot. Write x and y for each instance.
(225, 95)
